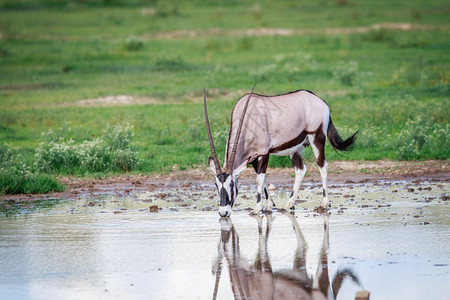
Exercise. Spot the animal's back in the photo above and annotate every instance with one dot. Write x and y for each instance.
(271, 121)
(300, 110)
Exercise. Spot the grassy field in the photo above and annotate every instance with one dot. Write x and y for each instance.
(390, 81)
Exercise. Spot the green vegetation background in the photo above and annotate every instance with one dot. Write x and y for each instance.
(391, 84)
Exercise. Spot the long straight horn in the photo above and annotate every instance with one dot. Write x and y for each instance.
(211, 142)
(238, 133)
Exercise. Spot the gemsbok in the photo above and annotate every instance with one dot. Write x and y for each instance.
(279, 125)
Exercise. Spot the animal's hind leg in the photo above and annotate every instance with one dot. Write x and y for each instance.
(300, 171)
(317, 142)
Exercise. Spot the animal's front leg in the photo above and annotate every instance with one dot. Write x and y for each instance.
(265, 188)
(269, 201)
(260, 180)
(260, 165)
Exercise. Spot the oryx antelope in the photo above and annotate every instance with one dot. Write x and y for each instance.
(278, 125)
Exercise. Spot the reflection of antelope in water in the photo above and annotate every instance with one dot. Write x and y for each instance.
(258, 281)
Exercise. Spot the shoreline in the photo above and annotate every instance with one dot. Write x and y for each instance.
(339, 172)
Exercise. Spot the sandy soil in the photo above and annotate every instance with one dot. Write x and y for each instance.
(339, 172)
(113, 100)
(124, 100)
(289, 32)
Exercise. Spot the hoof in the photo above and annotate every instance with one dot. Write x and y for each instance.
(267, 209)
(325, 206)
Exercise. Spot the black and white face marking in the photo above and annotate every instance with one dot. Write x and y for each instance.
(227, 190)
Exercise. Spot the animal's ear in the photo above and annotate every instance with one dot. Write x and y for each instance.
(239, 169)
(212, 165)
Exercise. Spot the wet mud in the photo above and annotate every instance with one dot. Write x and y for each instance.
(389, 238)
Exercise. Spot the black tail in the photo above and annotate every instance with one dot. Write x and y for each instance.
(337, 142)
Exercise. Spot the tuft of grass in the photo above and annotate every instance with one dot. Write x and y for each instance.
(17, 178)
(379, 35)
(14, 182)
(133, 44)
(341, 2)
(167, 8)
(347, 72)
(171, 64)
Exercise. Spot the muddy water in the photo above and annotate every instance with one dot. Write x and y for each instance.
(389, 238)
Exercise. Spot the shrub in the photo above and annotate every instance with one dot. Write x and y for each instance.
(16, 177)
(110, 153)
(132, 44)
(171, 64)
(347, 72)
(166, 8)
(421, 138)
(378, 35)
(119, 136)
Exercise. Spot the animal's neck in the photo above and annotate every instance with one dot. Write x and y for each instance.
(240, 158)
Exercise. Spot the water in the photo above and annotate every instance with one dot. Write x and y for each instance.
(385, 239)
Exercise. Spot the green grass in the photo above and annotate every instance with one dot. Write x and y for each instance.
(32, 184)
(17, 177)
(390, 84)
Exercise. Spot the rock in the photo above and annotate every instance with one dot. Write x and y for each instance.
(153, 208)
(300, 201)
(362, 295)
(272, 187)
(320, 210)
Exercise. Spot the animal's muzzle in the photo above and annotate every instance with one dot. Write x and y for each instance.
(225, 207)
(224, 200)
(224, 213)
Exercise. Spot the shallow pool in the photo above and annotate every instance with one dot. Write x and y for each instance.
(390, 239)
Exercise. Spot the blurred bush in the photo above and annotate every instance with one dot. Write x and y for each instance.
(16, 177)
(109, 153)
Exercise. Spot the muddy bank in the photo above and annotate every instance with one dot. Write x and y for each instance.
(340, 172)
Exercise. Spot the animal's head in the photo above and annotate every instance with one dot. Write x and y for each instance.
(226, 180)
(226, 184)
